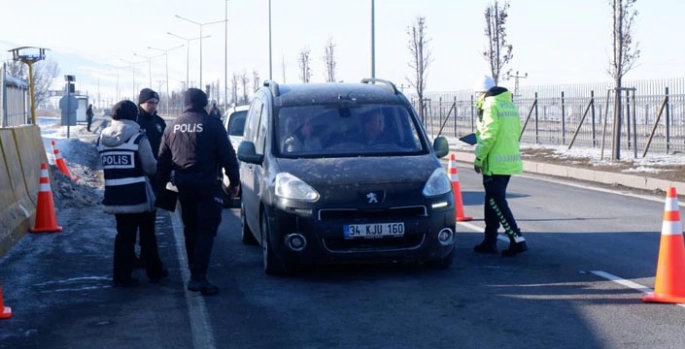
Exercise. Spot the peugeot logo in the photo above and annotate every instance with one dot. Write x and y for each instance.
(372, 197)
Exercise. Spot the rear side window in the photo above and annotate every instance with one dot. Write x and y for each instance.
(236, 123)
(348, 130)
(252, 121)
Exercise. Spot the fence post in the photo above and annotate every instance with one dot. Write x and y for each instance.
(456, 116)
(537, 129)
(472, 116)
(634, 127)
(563, 119)
(592, 102)
(440, 112)
(668, 123)
(628, 117)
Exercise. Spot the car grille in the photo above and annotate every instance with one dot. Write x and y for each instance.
(349, 214)
(373, 245)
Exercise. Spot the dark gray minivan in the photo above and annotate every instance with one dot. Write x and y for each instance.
(343, 172)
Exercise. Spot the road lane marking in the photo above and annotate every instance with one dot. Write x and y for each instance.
(200, 326)
(482, 230)
(625, 283)
(588, 186)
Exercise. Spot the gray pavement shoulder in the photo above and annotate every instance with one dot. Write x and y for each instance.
(601, 177)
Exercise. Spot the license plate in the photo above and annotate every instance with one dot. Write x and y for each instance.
(373, 231)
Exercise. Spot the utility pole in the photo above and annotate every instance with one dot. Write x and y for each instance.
(373, 39)
(516, 81)
(270, 65)
(226, 57)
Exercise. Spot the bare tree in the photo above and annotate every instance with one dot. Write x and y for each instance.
(235, 79)
(498, 51)
(245, 81)
(43, 74)
(304, 61)
(255, 80)
(625, 54)
(329, 60)
(420, 59)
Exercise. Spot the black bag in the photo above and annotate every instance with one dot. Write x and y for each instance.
(166, 199)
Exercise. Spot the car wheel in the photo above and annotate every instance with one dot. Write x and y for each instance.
(272, 264)
(246, 234)
(444, 263)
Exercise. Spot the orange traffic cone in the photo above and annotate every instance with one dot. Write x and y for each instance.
(5, 312)
(669, 286)
(454, 178)
(46, 220)
(59, 161)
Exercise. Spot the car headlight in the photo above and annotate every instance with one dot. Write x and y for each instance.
(437, 184)
(293, 188)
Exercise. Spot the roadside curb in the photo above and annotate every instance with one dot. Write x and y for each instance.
(608, 178)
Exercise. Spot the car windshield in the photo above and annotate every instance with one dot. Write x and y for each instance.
(356, 130)
(236, 123)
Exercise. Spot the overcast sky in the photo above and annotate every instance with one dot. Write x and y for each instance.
(554, 41)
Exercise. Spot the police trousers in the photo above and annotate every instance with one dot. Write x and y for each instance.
(496, 209)
(201, 207)
(128, 225)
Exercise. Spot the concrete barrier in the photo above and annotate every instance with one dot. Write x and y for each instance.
(21, 154)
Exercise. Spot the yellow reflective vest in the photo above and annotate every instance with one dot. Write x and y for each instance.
(499, 127)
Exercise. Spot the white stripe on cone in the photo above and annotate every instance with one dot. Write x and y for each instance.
(671, 228)
(44, 174)
(672, 204)
(454, 177)
(45, 187)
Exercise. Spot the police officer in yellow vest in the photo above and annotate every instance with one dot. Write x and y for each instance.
(498, 158)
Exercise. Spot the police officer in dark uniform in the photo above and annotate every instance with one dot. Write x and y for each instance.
(153, 126)
(195, 147)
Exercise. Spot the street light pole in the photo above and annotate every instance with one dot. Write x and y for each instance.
(188, 53)
(226, 57)
(149, 64)
(270, 63)
(166, 59)
(373, 38)
(133, 81)
(200, 25)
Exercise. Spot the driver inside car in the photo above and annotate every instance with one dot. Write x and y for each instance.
(373, 126)
(301, 138)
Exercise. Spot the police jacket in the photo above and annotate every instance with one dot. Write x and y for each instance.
(499, 128)
(127, 161)
(195, 146)
(153, 126)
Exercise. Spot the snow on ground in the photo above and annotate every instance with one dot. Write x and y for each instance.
(652, 163)
(81, 157)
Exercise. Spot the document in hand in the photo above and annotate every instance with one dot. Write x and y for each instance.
(469, 139)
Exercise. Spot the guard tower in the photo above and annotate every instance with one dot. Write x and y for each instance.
(29, 55)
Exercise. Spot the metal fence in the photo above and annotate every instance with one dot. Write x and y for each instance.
(14, 103)
(653, 115)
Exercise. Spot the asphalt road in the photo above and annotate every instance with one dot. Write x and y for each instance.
(553, 296)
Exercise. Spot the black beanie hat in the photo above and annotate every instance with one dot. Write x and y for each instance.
(125, 110)
(147, 94)
(196, 98)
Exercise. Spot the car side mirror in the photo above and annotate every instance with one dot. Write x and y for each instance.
(441, 146)
(248, 153)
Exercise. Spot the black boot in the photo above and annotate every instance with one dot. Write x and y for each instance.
(514, 249)
(486, 248)
(202, 286)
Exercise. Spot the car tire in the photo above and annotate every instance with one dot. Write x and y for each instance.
(444, 263)
(272, 264)
(246, 234)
